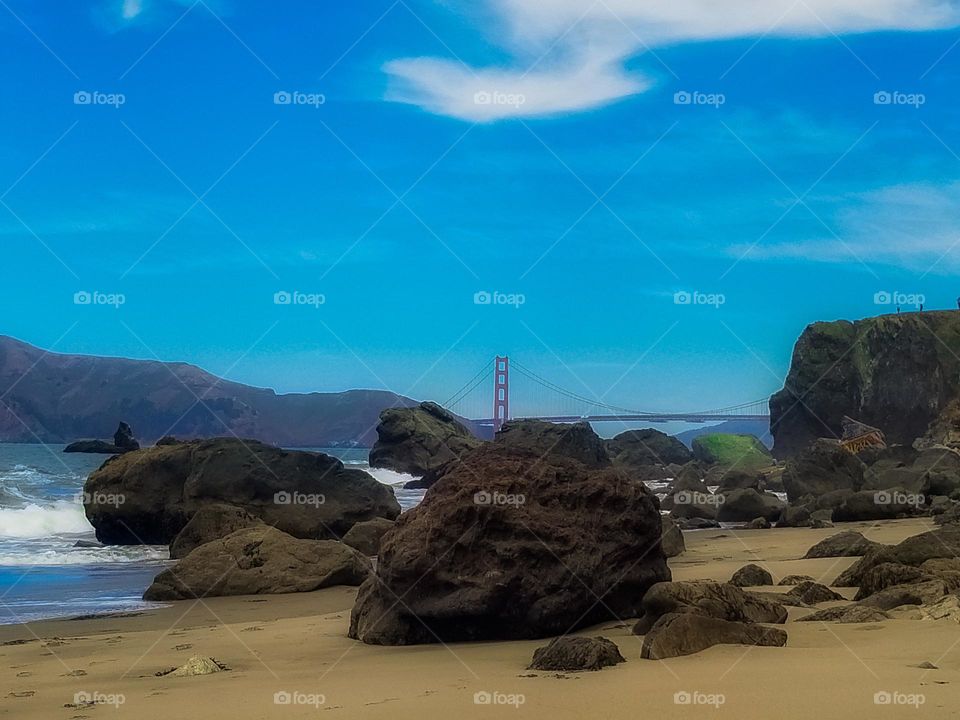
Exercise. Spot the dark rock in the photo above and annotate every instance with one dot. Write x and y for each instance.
(696, 523)
(813, 593)
(123, 441)
(878, 505)
(844, 544)
(576, 441)
(688, 504)
(259, 560)
(642, 448)
(795, 580)
(575, 654)
(209, 523)
(751, 576)
(794, 516)
(167, 440)
(671, 540)
(679, 634)
(689, 478)
(419, 439)
(744, 505)
(365, 537)
(719, 600)
(308, 495)
(499, 567)
(949, 516)
(853, 613)
(885, 575)
(823, 467)
(896, 372)
(922, 593)
(88, 544)
(759, 523)
(123, 438)
(943, 542)
(737, 480)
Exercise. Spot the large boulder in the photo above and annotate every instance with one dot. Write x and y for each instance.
(123, 441)
(576, 441)
(420, 439)
(885, 575)
(489, 552)
(209, 523)
(732, 479)
(921, 593)
(688, 504)
(671, 540)
(705, 597)
(852, 613)
(365, 536)
(740, 451)
(148, 496)
(845, 544)
(812, 593)
(745, 505)
(751, 576)
(575, 654)
(690, 477)
(259, 560)
(823, 467)
(679, 634)
(895, 372)
(943, 542)
(877, 505)
(642, 448)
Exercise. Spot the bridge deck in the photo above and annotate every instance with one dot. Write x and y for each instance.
(663, 418)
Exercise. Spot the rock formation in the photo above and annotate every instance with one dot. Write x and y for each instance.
(123, 441)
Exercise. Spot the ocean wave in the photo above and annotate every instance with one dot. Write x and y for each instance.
(391, 477)
(50, 553)
(36, 521)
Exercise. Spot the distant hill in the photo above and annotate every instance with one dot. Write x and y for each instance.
(760, 428)
(59, 398)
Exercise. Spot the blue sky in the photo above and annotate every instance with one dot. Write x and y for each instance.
(434, 150)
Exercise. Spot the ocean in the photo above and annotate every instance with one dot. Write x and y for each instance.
(43, 574)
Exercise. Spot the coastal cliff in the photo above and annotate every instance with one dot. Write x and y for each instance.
(897, 372)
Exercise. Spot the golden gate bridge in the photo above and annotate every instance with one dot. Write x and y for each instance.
(536, 397)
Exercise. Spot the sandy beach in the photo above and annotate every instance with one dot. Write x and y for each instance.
(298, 645)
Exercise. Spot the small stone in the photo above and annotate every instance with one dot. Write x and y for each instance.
(198, 665)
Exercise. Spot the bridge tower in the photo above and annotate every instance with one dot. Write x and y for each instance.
(501, 392)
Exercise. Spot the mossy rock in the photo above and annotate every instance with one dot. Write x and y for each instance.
(745, 452)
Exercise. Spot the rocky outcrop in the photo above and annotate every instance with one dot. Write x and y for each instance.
(812, 593)
(671, 540)
(821, 468)
(576, 654)
(503, 530)
(745, 452)
(679, 634)
(853, 613)
(745, 505)
(308, 495)
(844, 544)
(419, 440)
(209, 523)
(896, 372)
(641, 449)
(915, 551)
(751, 576)
(877, 505)
(365, 537)
(704, 597)
(259, 560)
(123, 441)
(576, 441)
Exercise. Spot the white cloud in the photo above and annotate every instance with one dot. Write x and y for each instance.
(915, 227)
(569, 55)
(131, 9)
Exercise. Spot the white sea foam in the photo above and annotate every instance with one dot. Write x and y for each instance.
(36, 521)
(391, 477)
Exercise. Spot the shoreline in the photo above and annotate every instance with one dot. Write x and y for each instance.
(297, 644)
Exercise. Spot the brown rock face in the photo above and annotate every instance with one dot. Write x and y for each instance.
(259, 560)
(573, 654)
(513, 544)
(687, 633)
(308, 495)
(704, 597)
(420, 440)
(210, 523)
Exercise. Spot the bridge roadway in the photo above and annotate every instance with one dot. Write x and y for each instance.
(652, 418)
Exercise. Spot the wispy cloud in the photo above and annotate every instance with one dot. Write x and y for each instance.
(570, 55)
